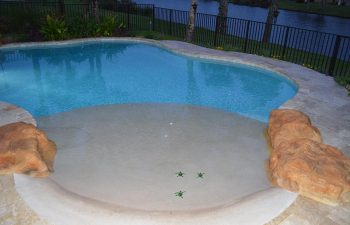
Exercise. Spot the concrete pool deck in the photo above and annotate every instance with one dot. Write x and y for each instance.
(319, 96)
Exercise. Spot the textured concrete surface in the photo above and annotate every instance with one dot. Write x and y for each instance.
(319, 96)
(13, 210)
(307, 211)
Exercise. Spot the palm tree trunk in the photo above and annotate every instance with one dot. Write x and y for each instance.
(191, 21)
(221, 21)
(273, 12)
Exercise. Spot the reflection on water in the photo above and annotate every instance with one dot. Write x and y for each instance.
(316, 22)
(48, 81)
(193, 93)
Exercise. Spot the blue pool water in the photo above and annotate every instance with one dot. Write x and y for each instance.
(54, 79)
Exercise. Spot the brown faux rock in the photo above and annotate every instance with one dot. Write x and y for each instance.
(313, 169)
(280, 117)
(293, 131)
(300, 162)
(25, 149)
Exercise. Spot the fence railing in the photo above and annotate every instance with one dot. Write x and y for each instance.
(324, 52)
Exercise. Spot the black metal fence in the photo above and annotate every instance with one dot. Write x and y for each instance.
(324, 52)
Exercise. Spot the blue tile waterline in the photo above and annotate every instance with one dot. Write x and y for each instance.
(53, 79)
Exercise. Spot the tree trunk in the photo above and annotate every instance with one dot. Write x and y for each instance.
(191, 21)
(221, 20)
(61, 7)
(272, 13)
(95, 10)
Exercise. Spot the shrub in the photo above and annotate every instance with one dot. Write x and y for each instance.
(79, 27)
(86, 27)
(107, 26)
(54, 28)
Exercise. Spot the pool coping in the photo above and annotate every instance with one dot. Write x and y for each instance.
(327, 112)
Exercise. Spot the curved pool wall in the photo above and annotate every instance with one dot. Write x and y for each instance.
(56, 77)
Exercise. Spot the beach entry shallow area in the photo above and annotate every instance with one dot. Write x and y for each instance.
(158, 157)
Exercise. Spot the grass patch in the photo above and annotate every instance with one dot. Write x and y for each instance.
(153, 35)
(312, 7)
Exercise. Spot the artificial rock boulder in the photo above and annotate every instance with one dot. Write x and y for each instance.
(293, 131)
(25, 149)
(300, 162)
(283, 116)
(313, 169)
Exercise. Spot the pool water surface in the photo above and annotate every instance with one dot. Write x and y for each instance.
(57, 78)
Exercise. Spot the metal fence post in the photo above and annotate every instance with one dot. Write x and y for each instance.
(285, 42)
(170, 20)
(128, 12)
(153, 20)
(334, 55)
(216, 31)
(246, 36)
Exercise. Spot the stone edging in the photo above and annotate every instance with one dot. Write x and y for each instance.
(11, 114)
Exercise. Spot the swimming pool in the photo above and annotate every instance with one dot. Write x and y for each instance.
(56, 78)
